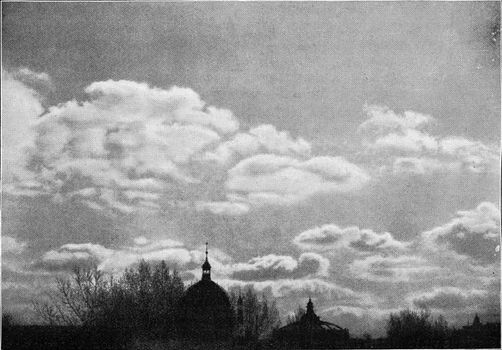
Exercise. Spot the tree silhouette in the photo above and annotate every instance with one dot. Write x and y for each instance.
(78, 300)
(259, 317)
(416, 329)
(139, 301)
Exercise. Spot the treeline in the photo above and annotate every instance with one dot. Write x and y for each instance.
(142, 303)
(254, 317)
(418, 329)
(143, 300)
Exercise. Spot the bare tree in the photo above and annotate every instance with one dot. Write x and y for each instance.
(416, 329)
(139, 301)
(78, 300)
(258, 317)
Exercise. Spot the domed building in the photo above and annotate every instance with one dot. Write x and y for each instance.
(311, 332)
(204, 311)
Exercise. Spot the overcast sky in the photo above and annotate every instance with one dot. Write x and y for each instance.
(344, 151)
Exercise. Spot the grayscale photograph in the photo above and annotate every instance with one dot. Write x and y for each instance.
(250, 175)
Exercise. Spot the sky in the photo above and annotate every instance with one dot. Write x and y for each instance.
(343, 151)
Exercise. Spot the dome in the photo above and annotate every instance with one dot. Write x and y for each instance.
(204, 311)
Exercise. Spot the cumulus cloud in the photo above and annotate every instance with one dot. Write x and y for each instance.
(404, 140)
(129, 144)
(381, 119)
(261, 139)
(272, 179)
(331, 237)
(21, 105)
(124, 146)
(271, 267)
(474, 233)
(472, 155)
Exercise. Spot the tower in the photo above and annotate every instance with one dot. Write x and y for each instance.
(206, 269)
(310, 317)
(310, 307)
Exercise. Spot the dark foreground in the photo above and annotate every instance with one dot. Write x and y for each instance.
(64, 337)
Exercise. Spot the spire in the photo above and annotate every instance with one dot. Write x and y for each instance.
(206, 268)
(310, 306)
(476, 321)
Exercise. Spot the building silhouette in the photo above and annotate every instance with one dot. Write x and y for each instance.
(204, 311)
(477, 335)
(311, 332)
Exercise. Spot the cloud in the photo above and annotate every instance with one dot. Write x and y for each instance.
(472, 155)
(392, 269)
(138, 100)
(414, 165)
(72, 255)
(448, 298)
(403, 140)
(408, 141)
(271, 179)
(359, 320)
(281, 288)
(12, 245)
(223, 208)
(272, 267)
(129, 146)
(381, 120)
(331, 237)
(474, 233)
(116, 260)
(122, 148)
(36, 80)
(21, 105)
(264, 138)
(460, 253)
